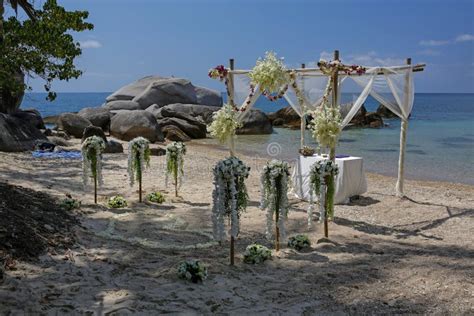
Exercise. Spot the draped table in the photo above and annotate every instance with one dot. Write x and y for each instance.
(350, 181)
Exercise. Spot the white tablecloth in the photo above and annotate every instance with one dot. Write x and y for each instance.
(349, 182)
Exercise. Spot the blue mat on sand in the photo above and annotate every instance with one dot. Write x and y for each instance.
(342, 156)
(59, 154)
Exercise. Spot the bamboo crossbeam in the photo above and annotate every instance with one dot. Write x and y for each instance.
(317, 72)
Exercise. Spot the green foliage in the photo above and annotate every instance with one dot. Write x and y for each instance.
(69, 204)
(43, 48)
(117, 201)
(299, 242)
(193, 271)
(156, 197)
(256, 253)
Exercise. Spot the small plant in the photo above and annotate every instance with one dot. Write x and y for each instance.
(299, 242)
(155, 197)
(69, 203)
(256, 253)
(117, 201)
(192, 270)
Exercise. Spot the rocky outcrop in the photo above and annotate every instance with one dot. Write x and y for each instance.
(17, 134)
(130, 91)
(167, 91)
(285, 117)
(73, 124)
(385, 112)
(127, 126)
(255, 122)
(93, 131)
(98, 116)
(113, 147)
(193, 129)
(362, 118)
(175, 134)
(207, 96)
(122, 105)
(200, 112)
(59, 141)
(32, 116)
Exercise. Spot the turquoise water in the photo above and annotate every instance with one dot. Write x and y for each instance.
(440, 141)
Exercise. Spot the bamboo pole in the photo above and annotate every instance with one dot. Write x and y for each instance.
(231, 89)
(95, 187)
(403, 141)
(303, 117)
(332, 154)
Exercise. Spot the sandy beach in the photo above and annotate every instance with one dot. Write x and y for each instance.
(387, 256)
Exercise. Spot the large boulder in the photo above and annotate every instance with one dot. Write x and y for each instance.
(167, 91)
(130, 91)
(121, 105)
(33, 116)
(93, 131)
(207, 96)
(155, 109)
(128, 125)
(255, 122)
(385, 112)
(73, 124)
(362, 118)
(201, 112)
(99, 116)
(17, 134)
(193, 129)
(285, 117)
(175, 134)
(113, 147)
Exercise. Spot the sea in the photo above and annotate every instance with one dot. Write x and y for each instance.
(440, 139)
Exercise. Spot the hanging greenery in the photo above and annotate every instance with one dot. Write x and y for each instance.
(224, 124)
(138, 158)
(269, 73)
(321, 177)
(274, 187)
(175, 152)
(91, 150)
(229, 196)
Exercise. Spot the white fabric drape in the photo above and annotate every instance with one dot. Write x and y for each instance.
(395, 90)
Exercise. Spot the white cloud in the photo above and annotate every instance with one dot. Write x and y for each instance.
(433, 43)
(90, 44)
(429, 52)
(464, 38)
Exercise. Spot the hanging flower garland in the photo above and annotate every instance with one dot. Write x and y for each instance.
(222, 74)
(229, 196)
(328, 68)
(322, 183)
(138, 158)
(174, 163)
(224, 123)
(92, 149)
(274, 187)
(270, 74)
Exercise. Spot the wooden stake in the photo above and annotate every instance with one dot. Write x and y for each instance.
(175, 175)
(277, 216)
(140, 187)
(335, 83)
(231, 250)
(231, 84)
(95, 188)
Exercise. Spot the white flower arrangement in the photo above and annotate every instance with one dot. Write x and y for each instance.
(274, 187)
(91, 150)
(270, 73)
(224, 123)
(138, 158)
(321, 177)
(175, 152)
(229, 196)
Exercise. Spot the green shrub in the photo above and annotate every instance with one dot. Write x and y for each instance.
(256, 253)
(299, 242)
(156, 197)
(117, 201)
(69, 203)
(192, 270)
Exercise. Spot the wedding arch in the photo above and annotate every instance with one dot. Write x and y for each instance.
(391, 86)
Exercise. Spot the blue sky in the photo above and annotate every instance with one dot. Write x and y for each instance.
(135, 38)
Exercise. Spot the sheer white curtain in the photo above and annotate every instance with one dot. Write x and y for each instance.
(312, 87)
(394, 88)
(241, 92)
